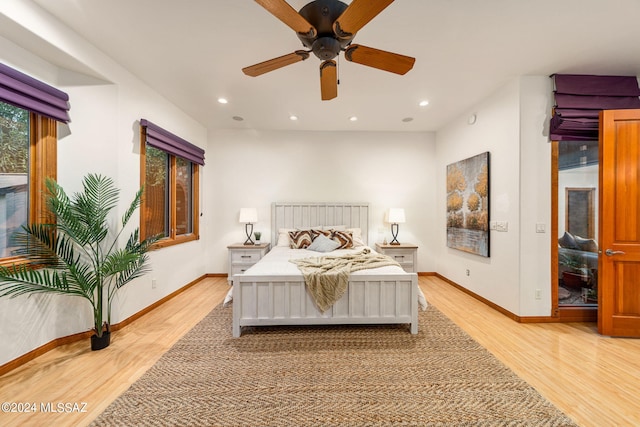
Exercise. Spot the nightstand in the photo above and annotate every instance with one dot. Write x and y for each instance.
(241, 257)
(405, 253)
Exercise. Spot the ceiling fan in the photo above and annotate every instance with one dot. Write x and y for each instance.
(327, 27)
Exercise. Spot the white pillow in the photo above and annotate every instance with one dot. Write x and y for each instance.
(357, 237)
(283, 237)
(323, 244)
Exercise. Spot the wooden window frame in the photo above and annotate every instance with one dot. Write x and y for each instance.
(43, 164)
(173, 238)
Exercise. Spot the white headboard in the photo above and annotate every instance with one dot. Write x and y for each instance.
(302, 215)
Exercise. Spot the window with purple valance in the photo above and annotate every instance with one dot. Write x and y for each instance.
(31, 94)
(580, 98)
(166, 141)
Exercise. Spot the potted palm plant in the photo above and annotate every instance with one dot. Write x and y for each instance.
(78, 252)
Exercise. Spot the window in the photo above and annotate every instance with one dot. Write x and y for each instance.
(28, 143)
(29, 112)
(170, 177)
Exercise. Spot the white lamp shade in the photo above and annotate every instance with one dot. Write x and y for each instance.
(248, 215)
(396, 216)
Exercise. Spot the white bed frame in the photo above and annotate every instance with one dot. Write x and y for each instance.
(260, 300)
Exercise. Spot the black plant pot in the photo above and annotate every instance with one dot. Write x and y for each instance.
(98, 343)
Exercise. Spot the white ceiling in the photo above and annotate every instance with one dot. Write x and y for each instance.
(192, 52)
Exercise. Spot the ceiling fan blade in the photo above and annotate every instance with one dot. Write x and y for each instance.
(287, 14)
(328, 80)
(275, 63)
(357, 15)
(380, 59)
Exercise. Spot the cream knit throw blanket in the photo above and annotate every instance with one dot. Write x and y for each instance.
(327, 277)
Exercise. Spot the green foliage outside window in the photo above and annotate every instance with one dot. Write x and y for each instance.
(14, 139)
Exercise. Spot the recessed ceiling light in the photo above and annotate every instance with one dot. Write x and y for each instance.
(293, 117)
(237, 118)
(423, 103)
(353, 118)
(223, 100)
(407, 119)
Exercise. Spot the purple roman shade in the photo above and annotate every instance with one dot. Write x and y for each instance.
(26, 92)
(172, 144)
(580, 98)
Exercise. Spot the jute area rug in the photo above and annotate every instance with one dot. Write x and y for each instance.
(330, 376)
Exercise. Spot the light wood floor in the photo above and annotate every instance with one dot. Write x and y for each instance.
(593, 379)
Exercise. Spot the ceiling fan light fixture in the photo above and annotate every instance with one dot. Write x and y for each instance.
(353, 119)
(423, 103)
(222, 100)
(293, 117)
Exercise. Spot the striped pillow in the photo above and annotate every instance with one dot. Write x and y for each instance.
(300, 239)
(345, 238)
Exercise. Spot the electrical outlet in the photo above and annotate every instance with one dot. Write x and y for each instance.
(153, 283)
(538, 294)
(540, 228)
(468, 272)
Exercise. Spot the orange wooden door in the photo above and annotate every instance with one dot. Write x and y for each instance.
(619, 224)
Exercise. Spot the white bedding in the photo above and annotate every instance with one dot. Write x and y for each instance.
(276, 262)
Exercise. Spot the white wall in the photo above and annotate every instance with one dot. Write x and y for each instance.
(254, 169)
(535, 196)
(103, 137)
(510, 125)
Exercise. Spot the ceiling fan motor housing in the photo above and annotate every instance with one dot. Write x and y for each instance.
(326, 48)
(322, 14)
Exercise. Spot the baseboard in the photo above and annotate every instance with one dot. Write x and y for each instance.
(479, 298)
(27, 357)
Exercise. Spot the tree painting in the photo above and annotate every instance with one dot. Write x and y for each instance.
(468, 205)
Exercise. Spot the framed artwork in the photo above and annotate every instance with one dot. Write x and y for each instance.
(468, 205)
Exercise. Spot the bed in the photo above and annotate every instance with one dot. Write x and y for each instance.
(273, 292)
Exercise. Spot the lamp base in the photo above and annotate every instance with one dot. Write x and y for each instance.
(394, 234)
(248, 229)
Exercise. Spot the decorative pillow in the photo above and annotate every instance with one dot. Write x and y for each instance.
(315, 233)
(344, 238)
(587, 245)
(300, 239)
(567, 241)
(323, 244)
